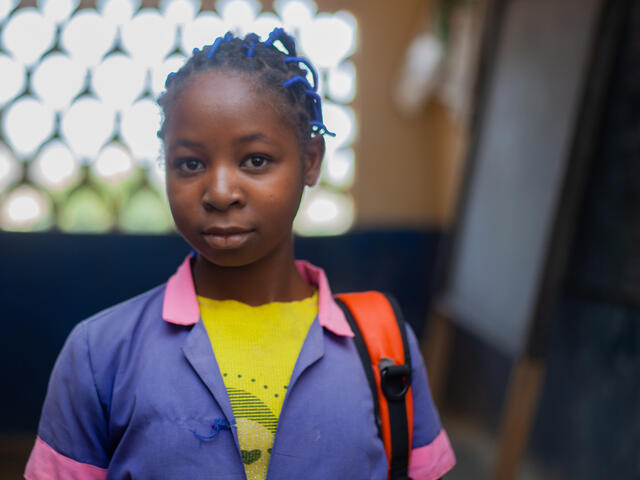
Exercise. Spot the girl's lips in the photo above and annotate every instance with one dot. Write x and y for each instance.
(227, 238)
(230, 230)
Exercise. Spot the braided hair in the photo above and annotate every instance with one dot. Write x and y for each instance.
(271, 68)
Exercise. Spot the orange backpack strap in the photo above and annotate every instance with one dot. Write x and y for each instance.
(381, 341)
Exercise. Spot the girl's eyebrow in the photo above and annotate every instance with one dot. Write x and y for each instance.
(186, 143)
(251, 137)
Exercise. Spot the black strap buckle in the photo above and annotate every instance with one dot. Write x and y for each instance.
(395, 380)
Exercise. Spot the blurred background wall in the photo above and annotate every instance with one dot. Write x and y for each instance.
(409, 165)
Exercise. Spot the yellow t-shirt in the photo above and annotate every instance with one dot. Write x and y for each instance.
(256, 349)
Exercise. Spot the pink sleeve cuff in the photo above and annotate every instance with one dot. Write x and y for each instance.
(47, 464)
(432, 461)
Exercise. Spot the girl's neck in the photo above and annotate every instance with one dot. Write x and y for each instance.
(274, 278)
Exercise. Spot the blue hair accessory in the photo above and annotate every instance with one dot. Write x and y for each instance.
(320, 128)
(316, 101)
(250, 48)
(317, 123)
(307, 64)
(275, 35)
(315, 98)
(298, 79)
(214, 48)
(195, 50)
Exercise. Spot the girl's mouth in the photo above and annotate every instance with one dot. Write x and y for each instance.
(228, 237)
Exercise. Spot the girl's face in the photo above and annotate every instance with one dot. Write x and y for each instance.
(235, 171)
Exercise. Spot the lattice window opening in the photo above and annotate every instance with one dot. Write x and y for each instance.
(78, 113)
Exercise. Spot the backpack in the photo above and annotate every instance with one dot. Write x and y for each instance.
(381, 341)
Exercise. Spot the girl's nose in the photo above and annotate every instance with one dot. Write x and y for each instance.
(222, 190)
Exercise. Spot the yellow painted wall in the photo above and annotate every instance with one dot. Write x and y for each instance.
(406, 168)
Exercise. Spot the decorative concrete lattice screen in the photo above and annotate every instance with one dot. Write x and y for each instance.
(78, 144)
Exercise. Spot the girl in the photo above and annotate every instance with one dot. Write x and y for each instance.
(241, 365)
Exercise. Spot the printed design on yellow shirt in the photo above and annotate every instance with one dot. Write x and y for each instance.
(246, 405)
(256, 349)
(256, 425)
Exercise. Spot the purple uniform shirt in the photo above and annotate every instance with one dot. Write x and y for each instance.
(136, 393)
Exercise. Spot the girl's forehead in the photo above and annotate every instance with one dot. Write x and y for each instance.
(214, 90)
(222, 84)
(216, 99)
(227, 96)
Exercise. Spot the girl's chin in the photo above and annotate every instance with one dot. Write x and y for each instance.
(226, 258)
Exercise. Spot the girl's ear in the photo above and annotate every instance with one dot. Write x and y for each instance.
(313, 160)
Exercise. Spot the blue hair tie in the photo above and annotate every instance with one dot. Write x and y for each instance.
(214, 48)
(317, 124)
(228, 37)
(298, 79)
(250, 48)
(315, 98)
(316, 101)
(287, 40)
(316, 104)
(275, 34)
(307, 64)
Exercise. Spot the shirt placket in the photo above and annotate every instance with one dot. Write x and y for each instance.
(198, 352)
(311, 352)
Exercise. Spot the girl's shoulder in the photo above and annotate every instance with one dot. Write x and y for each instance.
(103, 335)
(127, 313)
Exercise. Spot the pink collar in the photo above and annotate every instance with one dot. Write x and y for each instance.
(181, 305)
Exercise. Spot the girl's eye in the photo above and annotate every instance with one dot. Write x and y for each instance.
(189, 165)
(256, 162)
